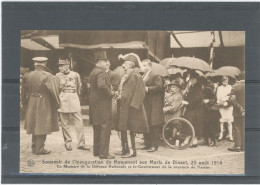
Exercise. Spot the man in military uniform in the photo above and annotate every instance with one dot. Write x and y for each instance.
(132, 115)
(100, 106)
(41, 101)
(69, 86)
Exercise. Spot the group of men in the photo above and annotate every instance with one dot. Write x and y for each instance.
(139, 101)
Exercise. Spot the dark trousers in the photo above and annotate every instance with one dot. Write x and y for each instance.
(124, 141)
(38, 143)
(152, 138)
(101, 139)
(239, 132)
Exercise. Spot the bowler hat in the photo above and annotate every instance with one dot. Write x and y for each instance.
(40, 59)
(100, 55)
(64, 62)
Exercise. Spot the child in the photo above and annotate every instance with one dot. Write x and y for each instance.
(173, 107)
(225, 109)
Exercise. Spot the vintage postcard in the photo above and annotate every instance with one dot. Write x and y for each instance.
(167, 102)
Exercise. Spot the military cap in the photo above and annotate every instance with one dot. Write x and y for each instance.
(64, 62)
(40, 59)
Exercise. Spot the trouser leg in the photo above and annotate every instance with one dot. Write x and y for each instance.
(221, 130)
(79, 128)
(64, 117)
(230, 130)
(125, 147)
(132, 137)
(104, 139)
(147, 140)
(34, 143)
(242, 131)
(154, 135)
(40, 140)
(96, 139)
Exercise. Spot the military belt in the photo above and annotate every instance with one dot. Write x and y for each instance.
(69, 91)
(37, 94)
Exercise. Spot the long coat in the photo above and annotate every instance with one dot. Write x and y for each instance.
(69, 101)
(114, 79)
(100, 102)
(238, 102)
(211, 114)
(174, 102)
(132, 114)
(41, 97)
(194, 111)
(153, 101)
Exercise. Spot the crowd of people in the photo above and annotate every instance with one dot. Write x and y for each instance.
(134, 101)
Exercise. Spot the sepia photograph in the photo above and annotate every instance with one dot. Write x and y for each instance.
(136, 102)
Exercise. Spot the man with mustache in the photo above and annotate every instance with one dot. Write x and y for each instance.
(132, 116)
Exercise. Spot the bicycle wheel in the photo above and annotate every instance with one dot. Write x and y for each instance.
(178, 133)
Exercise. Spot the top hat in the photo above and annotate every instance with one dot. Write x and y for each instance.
(64, 62)
(100, 55)
(40, 59)
(130, 57)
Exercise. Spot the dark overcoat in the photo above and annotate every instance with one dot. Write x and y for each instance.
(153, 101)
(194, 111)
(211, 114)
(41, 97)
(114, 79)
(100, 102)
(238, 102)
(132, 114)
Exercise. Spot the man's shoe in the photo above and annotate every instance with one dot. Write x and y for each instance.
(44, 152)
(121, 153)
(153, 149)
(234, 149)
(144, 148)
(69, 148)
(133, 154)
(83, 148)
(212, 144)
(106, 157)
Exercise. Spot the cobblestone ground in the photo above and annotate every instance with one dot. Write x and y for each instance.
(200, 160)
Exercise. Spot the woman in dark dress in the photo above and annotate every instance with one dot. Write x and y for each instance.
(211, 114)
(194, 112)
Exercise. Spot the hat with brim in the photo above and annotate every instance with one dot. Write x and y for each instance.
(130, 57)
(40, 59)
(64, 62)
(174, 83)
(100, 55)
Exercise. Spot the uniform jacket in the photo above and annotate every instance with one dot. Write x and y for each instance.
(100, 102)
(153, 101)
(69, 101)
(132, 114)
(41, 97)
